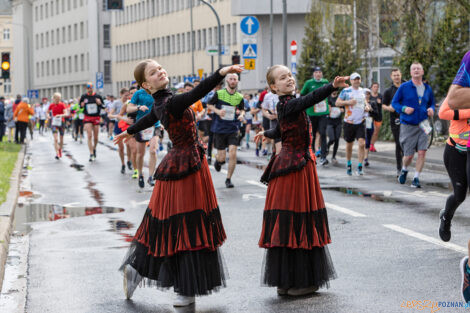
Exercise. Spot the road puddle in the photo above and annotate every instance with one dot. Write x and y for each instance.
(381, 197)
(27, 213)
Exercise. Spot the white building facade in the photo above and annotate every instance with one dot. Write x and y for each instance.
(62, 45)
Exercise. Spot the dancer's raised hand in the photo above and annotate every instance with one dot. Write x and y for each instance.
(237, 68)
(340, 82)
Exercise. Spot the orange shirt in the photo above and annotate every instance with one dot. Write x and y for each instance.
(197, 107)
(22, 112)
(456, 126)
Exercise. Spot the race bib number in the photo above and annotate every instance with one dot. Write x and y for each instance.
(369, 122)
(360, 103)
(57, 121)
(229, 113)
(320, 107)
(147, 134)
(92, 108)
(425, 126)
(81, 116)
(335, 112)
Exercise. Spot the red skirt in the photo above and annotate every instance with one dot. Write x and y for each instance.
(294, 213)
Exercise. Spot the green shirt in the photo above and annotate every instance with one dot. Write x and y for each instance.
(77, 109)
(318, 109)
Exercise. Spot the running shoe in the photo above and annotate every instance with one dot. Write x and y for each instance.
(334, 161)
(265, 152)
(111, 138)
(415, 183)
(402, 177)
(136, 174)
(141, 181)
(56, 157)
(92, 158)
(372, 148)
(129, 165)
(257, 152)
(398, 173)
(60, 153)
(123, 169)
(318, 153)
(160, 147)
(349, 170)
(247, 145)
(444, 227)
(94, 153)
(228, 183)
(324, 161)
(209, 160)
(359, 171)
(366, 162)
(217, 165)
(465, 279)
(150, 181)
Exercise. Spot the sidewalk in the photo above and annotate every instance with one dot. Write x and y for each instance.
(385, 154)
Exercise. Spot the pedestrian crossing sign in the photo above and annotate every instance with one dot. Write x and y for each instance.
(250, 64)
(250, 51)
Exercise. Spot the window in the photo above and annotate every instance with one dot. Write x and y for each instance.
(37, 69)
(7, 87)
(63, 34)
(105, 5)
(36, 16)
(69, 5)
(178, 43)
(106, 35)
(63, 6)
(46, 9)
(234, 33)
(42, 12)
(198, 47)
(42, 41)
(69, 32)
(88, 61)
(173, 45)
(107, 71)
(58, 35)
(52, 37)
(75, 31)
(47, 68)
(183, 43)
(209, 35)
(81, 3)
(82, 26)
(64, 66)
(193, 40)
(53, 67)
(47, 39)
(222, 31)
(188, 41)
(75, 59)
(56, 7)
(167, 6)
(157, 48)
(229, 41)
(6, 34)
(58, 66)
(70, 64)
(42, 69)
(153, 48)
(204, 39)
(52, 8)
(37, 41)
(75, 4)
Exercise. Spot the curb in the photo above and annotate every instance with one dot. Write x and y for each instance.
(7, 212)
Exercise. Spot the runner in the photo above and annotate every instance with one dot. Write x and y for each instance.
(295, 230)
(125, 120)
(210, 118)
(114, 111)
(10, 121)
(371, 118)
(376, 97)
(41, 116)
(268, 109)
(177, 243)
(334, 125)
(56, 112)
(78, 116)
(458, 98)
(415, 102)
(142, 103)
(249, 104)
(92, 103)
(229, 109)
(354, 128)
(318, 113)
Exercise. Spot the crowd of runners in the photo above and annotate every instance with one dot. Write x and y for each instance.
(295, 129)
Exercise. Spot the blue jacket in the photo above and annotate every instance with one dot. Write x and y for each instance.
(407, 96)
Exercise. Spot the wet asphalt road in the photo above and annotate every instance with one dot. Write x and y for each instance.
(73, 262)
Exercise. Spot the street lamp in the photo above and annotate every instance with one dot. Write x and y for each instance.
(219, 35)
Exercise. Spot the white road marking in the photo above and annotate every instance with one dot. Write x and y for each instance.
(249, 196)
(426, 238)
(343, 210)
(252, 182)
(223, 171)
(72, 204)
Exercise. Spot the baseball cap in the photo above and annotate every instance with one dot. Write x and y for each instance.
(89, 85)
(354, 75)
(317, 69)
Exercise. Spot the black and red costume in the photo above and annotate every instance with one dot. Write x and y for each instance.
(177, 242)
(295, 223)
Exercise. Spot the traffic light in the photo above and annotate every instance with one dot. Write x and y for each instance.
(235, 58)
(115, 4)
(5, 65)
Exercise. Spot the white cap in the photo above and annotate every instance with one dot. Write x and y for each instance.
(354, 75)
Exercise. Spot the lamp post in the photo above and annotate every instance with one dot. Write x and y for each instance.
(219, 35)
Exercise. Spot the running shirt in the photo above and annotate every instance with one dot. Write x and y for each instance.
(78, 112)
(354, 114)
(91, 107)
(141, 97)
(116, 106)
(56, 109)
(458, 129)
(463, 76)
(269, 102)
(197, 107)
(228, 124)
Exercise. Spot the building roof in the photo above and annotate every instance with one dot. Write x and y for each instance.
(5, 7)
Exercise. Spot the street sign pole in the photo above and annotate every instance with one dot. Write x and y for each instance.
(212, 64)
(218, 28)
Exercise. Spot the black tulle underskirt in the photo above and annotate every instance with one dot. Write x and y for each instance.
(190, 273)
(297, 268)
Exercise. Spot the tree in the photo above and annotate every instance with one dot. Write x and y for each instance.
(312, 46)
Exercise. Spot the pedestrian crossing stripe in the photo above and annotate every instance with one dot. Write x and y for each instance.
(250, 51)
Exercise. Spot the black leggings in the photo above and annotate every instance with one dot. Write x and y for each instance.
(398, 150)
(457, 166)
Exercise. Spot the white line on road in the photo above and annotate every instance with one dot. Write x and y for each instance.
(343, 210)
(435, 241)
(252, 182)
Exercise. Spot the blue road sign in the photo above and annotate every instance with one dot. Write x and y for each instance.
(250, 51)
(293, 67)
(99, 80)
(249, 25)
(33, 94)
